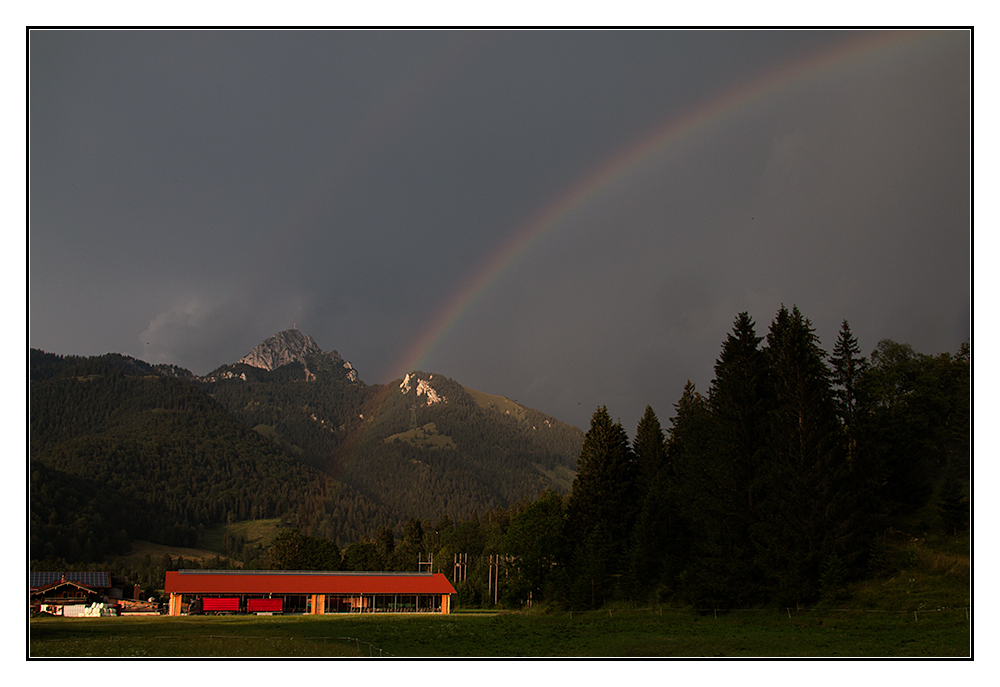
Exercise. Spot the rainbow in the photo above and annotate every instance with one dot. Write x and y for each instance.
(628, 163)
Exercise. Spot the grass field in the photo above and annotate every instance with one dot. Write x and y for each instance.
(635, 633)
(501, 403)
(423, 437)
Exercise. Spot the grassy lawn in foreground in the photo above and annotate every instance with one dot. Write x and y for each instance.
(611, 634)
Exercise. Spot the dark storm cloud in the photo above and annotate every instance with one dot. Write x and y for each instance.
(192, 193)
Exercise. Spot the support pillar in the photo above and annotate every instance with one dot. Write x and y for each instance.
(318, 604)
(175, 603)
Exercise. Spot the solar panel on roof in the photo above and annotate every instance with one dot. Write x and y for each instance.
(40, 579)
(91, 579)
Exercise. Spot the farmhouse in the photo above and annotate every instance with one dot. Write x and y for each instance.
(307, 591)
(68, 593)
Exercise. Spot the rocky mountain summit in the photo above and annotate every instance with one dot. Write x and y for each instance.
(284, 347)
(289, 346)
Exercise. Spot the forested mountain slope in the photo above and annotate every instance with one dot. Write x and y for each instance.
(423, 446)
(797, 476)
(170, 454)
(156, 458)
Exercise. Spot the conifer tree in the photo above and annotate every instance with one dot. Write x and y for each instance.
(651, 535)
(739, 402)
(848, 366)
(688, 431)
(723, 496)
(687, 453)
(854, 410)
(385, 544)
(601, 509)
(805, 511)
(649, 446)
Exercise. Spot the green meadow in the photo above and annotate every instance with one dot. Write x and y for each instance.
(609, 633)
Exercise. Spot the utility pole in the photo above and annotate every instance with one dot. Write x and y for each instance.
(421, 562)
(495, 577)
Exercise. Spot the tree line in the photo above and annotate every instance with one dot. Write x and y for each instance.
(119, 452)
(116, 457)
(775, 487)
(776, 484)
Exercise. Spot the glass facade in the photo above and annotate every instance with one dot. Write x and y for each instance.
(383, 603)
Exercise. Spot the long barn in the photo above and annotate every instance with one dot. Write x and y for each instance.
(306, 591)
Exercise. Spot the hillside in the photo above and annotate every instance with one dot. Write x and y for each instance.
(422, 446)
(287, 432)
(796, 491)
(116, 457)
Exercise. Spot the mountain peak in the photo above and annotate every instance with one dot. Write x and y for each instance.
(284, 347)
(424, 388)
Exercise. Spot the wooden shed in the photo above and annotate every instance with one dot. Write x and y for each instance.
(308, 591)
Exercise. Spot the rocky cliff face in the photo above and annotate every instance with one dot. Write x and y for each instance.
(284, 347)
(424, 388)
(290, 346)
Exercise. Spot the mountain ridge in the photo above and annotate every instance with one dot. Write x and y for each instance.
(290, 346)
(423, 446)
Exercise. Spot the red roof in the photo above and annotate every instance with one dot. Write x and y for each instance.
(302, 582)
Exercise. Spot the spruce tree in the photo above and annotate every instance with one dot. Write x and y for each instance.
(739, 403)
(652, 532)
(385, 544)
(649, 446)
(601, 510)
(723, 498)
(688, 431)
(805, 512)
(687, 452)
(854, 409)
(848, 366)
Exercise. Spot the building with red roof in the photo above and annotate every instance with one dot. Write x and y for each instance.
(307, 591)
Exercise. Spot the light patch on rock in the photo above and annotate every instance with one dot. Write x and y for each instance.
(424, 387)
(352, 374)
(225, 374)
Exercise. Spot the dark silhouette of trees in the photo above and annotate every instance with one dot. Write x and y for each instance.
(601, 510)
(774, 488)
(292, 550)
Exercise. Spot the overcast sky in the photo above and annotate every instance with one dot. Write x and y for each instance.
(569, 219)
